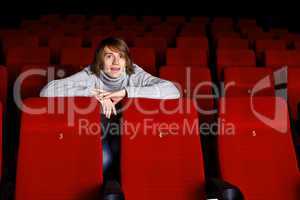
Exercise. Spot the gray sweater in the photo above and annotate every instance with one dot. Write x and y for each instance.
(140, 84)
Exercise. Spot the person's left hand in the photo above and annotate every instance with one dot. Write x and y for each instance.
(116, 96)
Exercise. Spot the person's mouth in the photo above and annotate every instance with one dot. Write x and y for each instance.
(115, 69)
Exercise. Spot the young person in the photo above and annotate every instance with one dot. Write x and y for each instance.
(111, 77)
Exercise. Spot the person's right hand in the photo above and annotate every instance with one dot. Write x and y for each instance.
(108, 107)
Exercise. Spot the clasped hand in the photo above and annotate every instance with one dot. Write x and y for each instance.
(108, 100)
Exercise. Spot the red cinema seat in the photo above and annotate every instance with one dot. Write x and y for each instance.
(138, 29)
(37, 27)
(27, 55)
(74, 19)
(73, 30)
(234, 58)
(223, 20)
(232, 43)
(159, 44)
(255, 148)
(151, 20)
(222, 27)
(127, 35)
(175, 19)
(247, 24)
(262, 45)
(99, 20)
(243, 81)
(193, 82)
(192, 42)
(166, 31)
(157, 162)
(19, 41)
(59, 157)
(279, 32)
(37, 78)
(294, 58)
(57, 43)
(96, 40)
(276, 58)
(186, 56)
(292, 39)
(228, 35)
(193, 30)
(51, 18)
(279, 58)
(126, 20)
(75, 59)
(19, 56)
(145, 57)
(199, 19)
(258, 34)
(293, 86)
(12, 33)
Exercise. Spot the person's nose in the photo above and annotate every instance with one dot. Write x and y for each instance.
(116, 60)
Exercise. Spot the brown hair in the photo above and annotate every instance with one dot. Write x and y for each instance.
(112, 43)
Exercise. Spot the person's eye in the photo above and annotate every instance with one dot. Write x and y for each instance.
(108, 56)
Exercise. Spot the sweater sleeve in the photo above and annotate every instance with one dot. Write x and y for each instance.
(79, 84)
(144, 85)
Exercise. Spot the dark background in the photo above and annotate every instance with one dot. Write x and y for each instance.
(281, 13)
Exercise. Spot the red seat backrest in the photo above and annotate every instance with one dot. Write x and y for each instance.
(251, 147)
(60, 156)
(157, 162)
(186, 56)
(145, 57)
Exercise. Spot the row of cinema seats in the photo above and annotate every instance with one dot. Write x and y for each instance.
(157, 163)
(193, 81)
(238, 81)
(74, 59)
(189, 51)
(184, 35)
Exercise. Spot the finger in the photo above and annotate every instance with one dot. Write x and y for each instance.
(110, 106)
(100, 100)
(103, 94)
(109, 113)
(110, 95)
(106, 114)
(108, 110)
(114, 110)
(93, 92)
(98, 90)
(104, 109)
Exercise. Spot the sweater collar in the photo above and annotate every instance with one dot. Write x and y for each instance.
(104, 77)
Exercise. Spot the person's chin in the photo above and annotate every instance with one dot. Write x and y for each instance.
(115, 75)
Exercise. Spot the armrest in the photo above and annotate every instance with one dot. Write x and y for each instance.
(112, 191)
(222, 190)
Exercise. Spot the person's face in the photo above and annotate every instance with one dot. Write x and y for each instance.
(114, 63)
